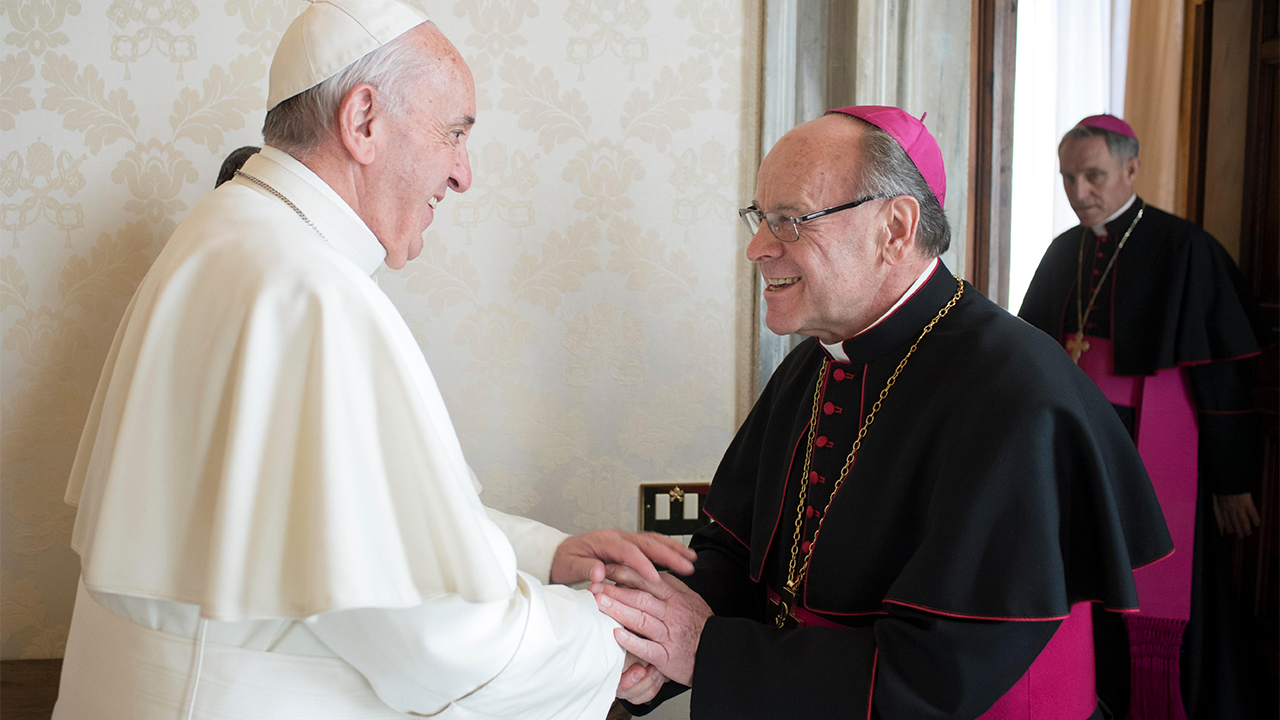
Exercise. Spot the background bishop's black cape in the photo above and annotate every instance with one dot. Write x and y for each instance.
(1179, 298)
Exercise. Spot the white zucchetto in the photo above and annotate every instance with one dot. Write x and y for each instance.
(330, 35)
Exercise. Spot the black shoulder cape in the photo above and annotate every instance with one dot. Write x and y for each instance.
(996, 481)
(995, 489)
(1178, 297)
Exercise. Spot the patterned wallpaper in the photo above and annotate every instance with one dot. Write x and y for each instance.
(584, 307)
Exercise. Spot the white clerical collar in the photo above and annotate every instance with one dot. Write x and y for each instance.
(837, 350)
(1101, 228)
(360, 247)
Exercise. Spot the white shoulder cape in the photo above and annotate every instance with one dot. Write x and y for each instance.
(266, 439)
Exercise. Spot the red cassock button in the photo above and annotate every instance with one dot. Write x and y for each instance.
(804, 546)
(821, 441)
(838, 374)
(810, 512)
(815, 478)
(829, 408)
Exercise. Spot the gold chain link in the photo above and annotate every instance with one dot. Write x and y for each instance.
(804, 478)
(1082, 311)
(794, 579)
(262, 184)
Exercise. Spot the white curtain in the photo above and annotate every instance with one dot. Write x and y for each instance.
(1071, 62)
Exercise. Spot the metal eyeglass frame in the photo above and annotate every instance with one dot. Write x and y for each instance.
(752, 216)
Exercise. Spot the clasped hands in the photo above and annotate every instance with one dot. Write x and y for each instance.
(651, 604)
(662, 617)
(661, 620)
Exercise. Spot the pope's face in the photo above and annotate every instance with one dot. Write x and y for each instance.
(1097, 184)
(824, 283)
(427, 151)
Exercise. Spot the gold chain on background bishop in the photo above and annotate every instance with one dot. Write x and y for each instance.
(793, 578)
(1077, 344)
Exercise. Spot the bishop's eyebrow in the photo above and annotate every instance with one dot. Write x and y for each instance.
(465, 120)
(786, 207)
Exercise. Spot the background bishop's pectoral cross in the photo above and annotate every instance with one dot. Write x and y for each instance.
(1076, 345)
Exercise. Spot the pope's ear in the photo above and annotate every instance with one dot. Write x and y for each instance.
(902, 222)
(356, 115)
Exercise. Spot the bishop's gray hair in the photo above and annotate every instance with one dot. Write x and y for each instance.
(887, 170)
(300, 124)
(1121, 147)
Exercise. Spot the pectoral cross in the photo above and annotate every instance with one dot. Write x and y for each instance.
(1077, 345)
(783, 609)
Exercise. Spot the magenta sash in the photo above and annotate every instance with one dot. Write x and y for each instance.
(1168, 441)
(1059, 685)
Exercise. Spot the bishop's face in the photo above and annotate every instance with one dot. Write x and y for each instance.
(427, 143)
(1097, 184)
(823, 284)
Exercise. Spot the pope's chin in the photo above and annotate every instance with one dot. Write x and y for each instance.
(401, 250)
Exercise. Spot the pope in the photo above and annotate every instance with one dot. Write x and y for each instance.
(275, 515)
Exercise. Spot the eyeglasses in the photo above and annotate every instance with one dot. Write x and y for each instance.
(786, 228)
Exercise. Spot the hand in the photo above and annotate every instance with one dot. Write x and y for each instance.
(583, 557)
(640, 681)
(1236, 514)
(663, 620)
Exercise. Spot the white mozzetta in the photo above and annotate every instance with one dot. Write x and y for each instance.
(267, 439)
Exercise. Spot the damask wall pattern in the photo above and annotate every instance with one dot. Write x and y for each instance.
(584, 307)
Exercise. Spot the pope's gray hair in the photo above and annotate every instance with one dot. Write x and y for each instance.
(1121, 147)
(300, 124)
(886, 170)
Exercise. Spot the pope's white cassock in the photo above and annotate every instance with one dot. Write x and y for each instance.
(275, 516)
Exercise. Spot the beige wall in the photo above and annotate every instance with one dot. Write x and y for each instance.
(579, 306)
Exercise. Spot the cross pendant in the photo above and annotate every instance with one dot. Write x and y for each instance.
(783, 610)
(1077, 345)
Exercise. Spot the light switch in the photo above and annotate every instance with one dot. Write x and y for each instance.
(691, 506)
(662, 507)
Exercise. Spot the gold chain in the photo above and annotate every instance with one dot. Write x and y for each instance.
(794, 579)
(1082, 312)
(804, 478)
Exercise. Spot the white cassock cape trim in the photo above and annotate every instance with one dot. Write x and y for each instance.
(266, 439)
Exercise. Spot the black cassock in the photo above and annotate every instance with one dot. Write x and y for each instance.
(994, 489)
(1173, 299)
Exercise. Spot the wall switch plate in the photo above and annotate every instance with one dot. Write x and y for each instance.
(673, 508)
